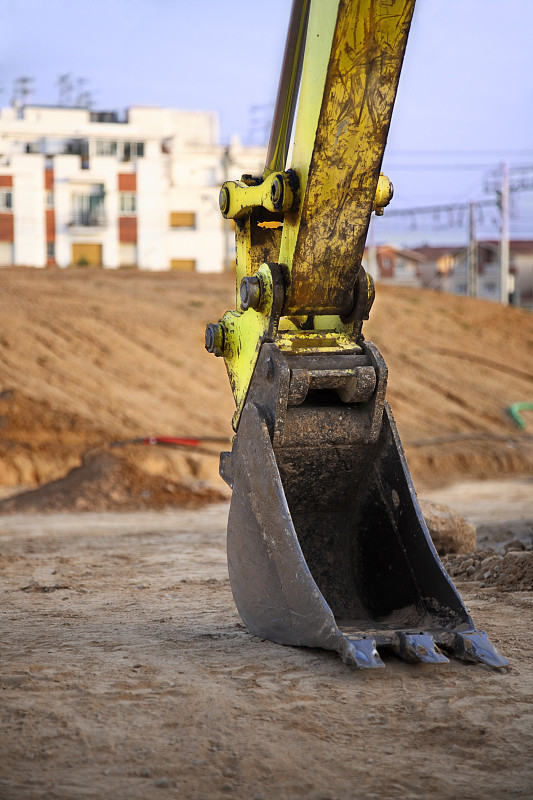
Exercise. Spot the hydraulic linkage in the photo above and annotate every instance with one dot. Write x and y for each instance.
(327, 546)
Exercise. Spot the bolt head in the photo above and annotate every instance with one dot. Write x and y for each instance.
(223, 200)
(215, 339)
(250, 291)
(276, 192)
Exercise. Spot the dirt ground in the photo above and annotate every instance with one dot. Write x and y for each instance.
(92, 357)
(127, 673)
(125, 670)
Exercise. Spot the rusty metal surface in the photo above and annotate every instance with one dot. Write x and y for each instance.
(362, 78)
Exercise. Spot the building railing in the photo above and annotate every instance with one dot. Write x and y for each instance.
(88, 219)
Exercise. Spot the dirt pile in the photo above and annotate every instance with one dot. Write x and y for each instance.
(449, 531)
(38, 443)
(89, 357)
(508, 572)
(110, 480)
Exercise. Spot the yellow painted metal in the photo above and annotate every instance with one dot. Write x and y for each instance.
(353, 55)
(238, 199)
(323, 245)
(321, 27)
(288, 89)
(310, 342)
(244, 332)
(383, 195)
(255, 245)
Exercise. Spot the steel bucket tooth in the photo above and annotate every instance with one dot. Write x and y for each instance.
(361, 653)
(327, 546)
(420, 647)
(476, 646)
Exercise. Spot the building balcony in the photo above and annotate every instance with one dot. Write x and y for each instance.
(89, 219)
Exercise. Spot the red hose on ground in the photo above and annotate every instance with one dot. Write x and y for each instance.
(180, 441)
(173, 441)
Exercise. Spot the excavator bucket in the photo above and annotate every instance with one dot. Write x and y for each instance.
(327, 546)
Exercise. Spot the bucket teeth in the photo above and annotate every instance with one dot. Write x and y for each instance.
(361, 653)
(476, 646)
(420, 647)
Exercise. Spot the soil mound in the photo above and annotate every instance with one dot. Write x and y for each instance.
(39, 443)
(109, 481)
(449, 531)
(508, 572)
(91, 357)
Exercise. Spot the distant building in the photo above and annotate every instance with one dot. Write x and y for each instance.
(390, 264)
(446, 268)
(84, 188)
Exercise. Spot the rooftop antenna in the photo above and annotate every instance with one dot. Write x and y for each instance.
(84, 97)
(22, 90)
(65, 86)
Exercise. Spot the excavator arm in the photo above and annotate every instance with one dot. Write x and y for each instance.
(327, 546)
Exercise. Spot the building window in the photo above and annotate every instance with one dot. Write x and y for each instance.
(104, 147)
(128, 202)
(49, 199)
(183, 219)
(77, 147)
(88, 209)
(51, 250)
(6, 200)
(131, 150)
(33, 147)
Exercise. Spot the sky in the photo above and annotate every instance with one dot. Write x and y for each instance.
(465, 101)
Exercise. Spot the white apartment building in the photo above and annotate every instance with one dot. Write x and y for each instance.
(82, 188)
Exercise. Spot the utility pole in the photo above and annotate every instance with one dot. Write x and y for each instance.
(504, 236)
(471, 277)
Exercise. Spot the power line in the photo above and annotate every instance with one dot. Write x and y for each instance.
(444, 208)
(440, 167)
(503, 151)
(458, 167)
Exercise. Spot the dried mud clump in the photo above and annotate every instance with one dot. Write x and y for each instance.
(509, 572)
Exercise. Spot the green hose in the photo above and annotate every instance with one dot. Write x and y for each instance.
(514, 412)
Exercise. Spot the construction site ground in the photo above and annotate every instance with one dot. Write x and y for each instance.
(125, 669)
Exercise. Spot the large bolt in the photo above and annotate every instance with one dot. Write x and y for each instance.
(215, 339)
(250, 291)
(223, 200)
(384, 193)
(276, 192)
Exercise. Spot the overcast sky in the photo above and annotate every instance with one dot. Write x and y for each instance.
(466, 86)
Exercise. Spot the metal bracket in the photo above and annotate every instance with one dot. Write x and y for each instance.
(277, 193)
